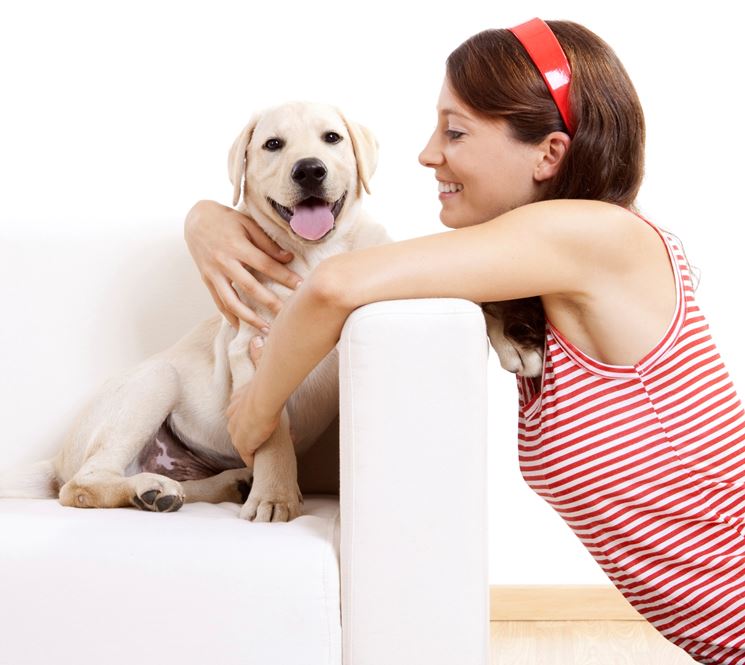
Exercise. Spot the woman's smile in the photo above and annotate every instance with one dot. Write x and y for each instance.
(448, 189)
(448, 195)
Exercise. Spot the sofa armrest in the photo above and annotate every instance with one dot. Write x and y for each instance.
(413, 483)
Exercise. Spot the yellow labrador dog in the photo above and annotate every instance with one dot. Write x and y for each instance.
(157, 436)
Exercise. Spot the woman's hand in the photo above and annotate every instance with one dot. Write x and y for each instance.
(248, 427)
(221, 240)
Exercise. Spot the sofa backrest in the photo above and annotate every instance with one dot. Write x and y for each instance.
(84, 301)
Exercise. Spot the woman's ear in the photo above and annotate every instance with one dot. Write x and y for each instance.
(365, 147)
(238, 159)
(551, 153)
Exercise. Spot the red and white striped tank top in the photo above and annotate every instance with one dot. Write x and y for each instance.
(646, 464)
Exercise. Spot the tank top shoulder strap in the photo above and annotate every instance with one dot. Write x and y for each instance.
(675, 254)
(660, 348)
(677, 263)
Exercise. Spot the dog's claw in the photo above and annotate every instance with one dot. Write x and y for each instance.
(272, 507)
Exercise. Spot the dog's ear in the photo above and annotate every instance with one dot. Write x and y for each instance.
(365, 147)
(238, 159)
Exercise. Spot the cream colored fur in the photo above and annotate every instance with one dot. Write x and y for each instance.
(190, 383)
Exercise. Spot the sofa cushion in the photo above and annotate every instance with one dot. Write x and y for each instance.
(199, 585)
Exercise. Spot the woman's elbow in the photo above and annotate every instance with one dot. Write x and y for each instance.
(330, 285)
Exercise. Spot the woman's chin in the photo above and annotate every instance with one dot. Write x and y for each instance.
(455, 221)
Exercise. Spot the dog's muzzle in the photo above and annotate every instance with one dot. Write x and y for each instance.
(312, 218)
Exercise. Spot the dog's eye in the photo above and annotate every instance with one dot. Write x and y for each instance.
(273, 144)
(331, 137)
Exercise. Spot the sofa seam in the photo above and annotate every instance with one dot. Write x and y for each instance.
(330, 530)
(368, 315)
(350, 489)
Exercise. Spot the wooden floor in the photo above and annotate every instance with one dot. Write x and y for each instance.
(582, 643)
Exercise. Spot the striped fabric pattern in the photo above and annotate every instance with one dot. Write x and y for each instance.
(646, 464)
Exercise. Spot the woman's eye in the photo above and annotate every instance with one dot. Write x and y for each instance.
(454, 134)
(273, 144)
(331, 137)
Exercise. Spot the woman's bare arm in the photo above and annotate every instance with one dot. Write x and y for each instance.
(541, 248)
(548, 247)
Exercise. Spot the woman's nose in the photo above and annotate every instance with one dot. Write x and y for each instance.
(430, 156)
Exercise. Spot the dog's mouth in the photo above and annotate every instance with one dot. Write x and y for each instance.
(312, 218)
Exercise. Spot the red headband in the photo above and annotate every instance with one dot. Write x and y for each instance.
(546, 53)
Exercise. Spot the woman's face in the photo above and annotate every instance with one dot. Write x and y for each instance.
(493, 172)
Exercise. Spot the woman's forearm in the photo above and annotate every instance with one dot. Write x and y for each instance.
(303, 333)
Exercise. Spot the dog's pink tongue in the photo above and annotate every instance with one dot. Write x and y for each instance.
(312, 221)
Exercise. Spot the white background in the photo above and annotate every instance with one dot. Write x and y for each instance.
(117, 117)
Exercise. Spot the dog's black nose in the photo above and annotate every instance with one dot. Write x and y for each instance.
(309, 172)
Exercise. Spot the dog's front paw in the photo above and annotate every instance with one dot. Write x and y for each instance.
(522, 361)
(275, 504)
(517, 359)
(531, 361)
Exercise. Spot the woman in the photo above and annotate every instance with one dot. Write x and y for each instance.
(634, 430)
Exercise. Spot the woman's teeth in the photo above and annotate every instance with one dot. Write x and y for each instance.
(449, 186)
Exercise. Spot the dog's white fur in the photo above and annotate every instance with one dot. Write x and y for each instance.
(189, 385)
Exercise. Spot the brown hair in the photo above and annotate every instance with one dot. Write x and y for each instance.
(492, 73)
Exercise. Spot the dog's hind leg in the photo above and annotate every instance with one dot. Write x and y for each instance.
(106, 489)
(110, 435)
(232, 485)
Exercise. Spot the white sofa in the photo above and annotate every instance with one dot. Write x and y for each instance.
(388, 565)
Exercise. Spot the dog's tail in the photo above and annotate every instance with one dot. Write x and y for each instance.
(32, 481)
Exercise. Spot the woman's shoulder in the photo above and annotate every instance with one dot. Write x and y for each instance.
(583, 210)
(578, 211)
(591, 225)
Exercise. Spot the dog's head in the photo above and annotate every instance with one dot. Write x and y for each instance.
(302, 165)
